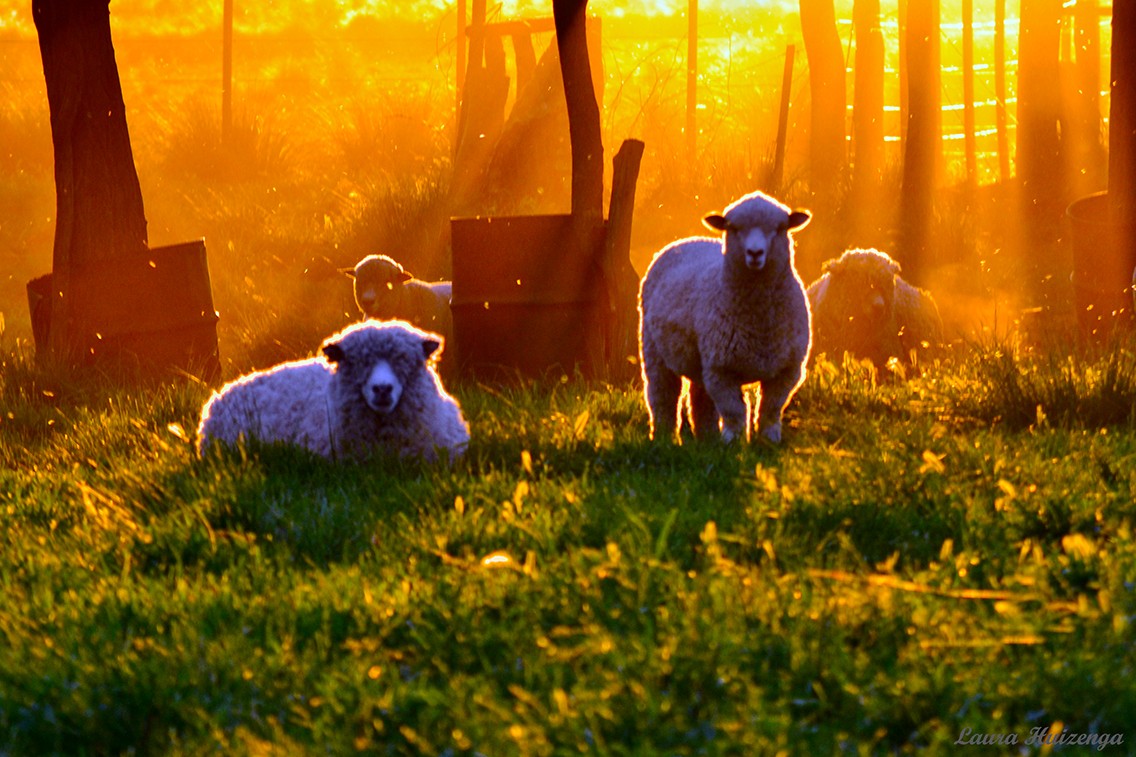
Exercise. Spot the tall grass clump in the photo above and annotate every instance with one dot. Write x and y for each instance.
(1070, 387)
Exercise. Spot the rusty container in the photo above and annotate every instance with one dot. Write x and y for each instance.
(527, 297)
(153, 312)
(1104, 256)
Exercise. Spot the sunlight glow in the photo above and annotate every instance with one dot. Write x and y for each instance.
(497, 560)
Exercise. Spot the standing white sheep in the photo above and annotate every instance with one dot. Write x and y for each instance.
(372, 391)
(725, 313)
(385, 290)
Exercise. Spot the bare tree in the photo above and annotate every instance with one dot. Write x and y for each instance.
(570, 17)
(99, 215)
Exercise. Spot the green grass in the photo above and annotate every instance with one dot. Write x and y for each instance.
(913, 561)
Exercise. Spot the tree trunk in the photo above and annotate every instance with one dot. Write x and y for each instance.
(828, 93)
(1089, 161)
(923, 147)
(970, 139)
(868, 108)
(1039, 154)
(570, 17)
(1000, 89)
(1122, 118)
(100, 220)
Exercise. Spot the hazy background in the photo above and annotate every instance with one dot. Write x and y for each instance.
(342, 143)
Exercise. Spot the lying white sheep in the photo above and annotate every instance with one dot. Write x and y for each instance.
(862, 306)
(725, 313)
(372, 391)
(385, 290)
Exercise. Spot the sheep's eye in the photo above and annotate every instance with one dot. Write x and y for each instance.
(390, 286)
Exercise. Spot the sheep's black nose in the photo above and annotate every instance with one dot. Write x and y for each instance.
(382, 392)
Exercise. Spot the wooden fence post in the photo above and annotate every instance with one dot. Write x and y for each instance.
(620, 277)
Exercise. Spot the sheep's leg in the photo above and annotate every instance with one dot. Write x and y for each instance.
(775, 394)
(662, 387)
(730, 404)
(703, 413)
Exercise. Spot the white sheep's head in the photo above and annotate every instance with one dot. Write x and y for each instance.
(377, 279)
(376, 360)
(756, 229)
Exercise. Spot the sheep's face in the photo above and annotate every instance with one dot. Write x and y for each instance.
(866, 298)
(376, 278)
(757, 245)
(862, 287)
(379, 360)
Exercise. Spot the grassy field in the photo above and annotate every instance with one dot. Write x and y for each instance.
(918, 559)
(921, 564)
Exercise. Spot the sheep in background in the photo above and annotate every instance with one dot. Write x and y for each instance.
(385, 290)
(725, 313)
(862, 306)
(372, 391)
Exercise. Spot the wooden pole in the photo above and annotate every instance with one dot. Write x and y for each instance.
(620, 277)
(459, 45)
(691, 78)
(476, 47)
(227, 72)
(783, 118)
(968, 92)
(1000, 89)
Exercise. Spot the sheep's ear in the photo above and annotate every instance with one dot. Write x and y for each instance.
(429, 347)
(348, 272)
(403, 277)
(334, 352)
(715, 221)
(799, 219)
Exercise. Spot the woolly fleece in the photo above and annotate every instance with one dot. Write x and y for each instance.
(320, 404)
(725, 313)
